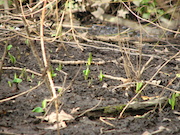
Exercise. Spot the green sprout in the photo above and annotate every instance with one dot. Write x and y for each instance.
(89, 59)
(42, 108)
(138, 86)
(87, 71)
(101, 76)
(52, 73)
(172, 100)
(27, 41)
(9, 47)
(60, 89)
(15, 80)
(59, 67)
(12, 58)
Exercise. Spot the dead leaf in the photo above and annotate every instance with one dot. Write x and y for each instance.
(75, 110)
(61, 117)
(99, 3)
(98, 13)
(105, 85)
(122, 13)
(157, 82)
(62, 124)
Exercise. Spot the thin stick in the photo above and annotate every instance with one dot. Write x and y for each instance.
(21, 69)
(52, 88)
(2, 59)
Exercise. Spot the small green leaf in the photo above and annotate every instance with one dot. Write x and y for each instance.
(90, 59)
(44, 103)
(53, 35)
(101, 76)
(12, 58)
(59, 67)
(32, 76)
(145, 1)
(172, 100)
(17, 80)
(138, 86)
(86, 73)
(146, 15)
(10, 83)
(60, 89)
(53, 74)
(38, 109)
(9, 47)
(39, 82)
(11, 28)
(27, 41)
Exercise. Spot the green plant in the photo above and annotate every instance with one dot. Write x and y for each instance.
(148, 8)
(15, 80)
(101, 76)
(52, 73)
(138, 86)
(12, 58)
(42, 108)
(27, 41)
(59, 67)
(87, 71)
(172, 100)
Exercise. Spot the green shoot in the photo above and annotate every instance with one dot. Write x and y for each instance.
(32, 76)
(138, 86)
(12, 58)
(89, 59)
(59, 67)
(60, 89)
(16, 80)
(101, 76)
(44, 103)
(27, 41)
(38, 109)
(172, 100)
(52, 73)
(41, 109)
(9, 47)
(10, 83)
(23, 73)
(86, 73)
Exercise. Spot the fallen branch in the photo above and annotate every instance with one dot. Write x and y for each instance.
(134, 108)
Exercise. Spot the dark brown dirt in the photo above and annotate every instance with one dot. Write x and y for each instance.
(16, 116)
